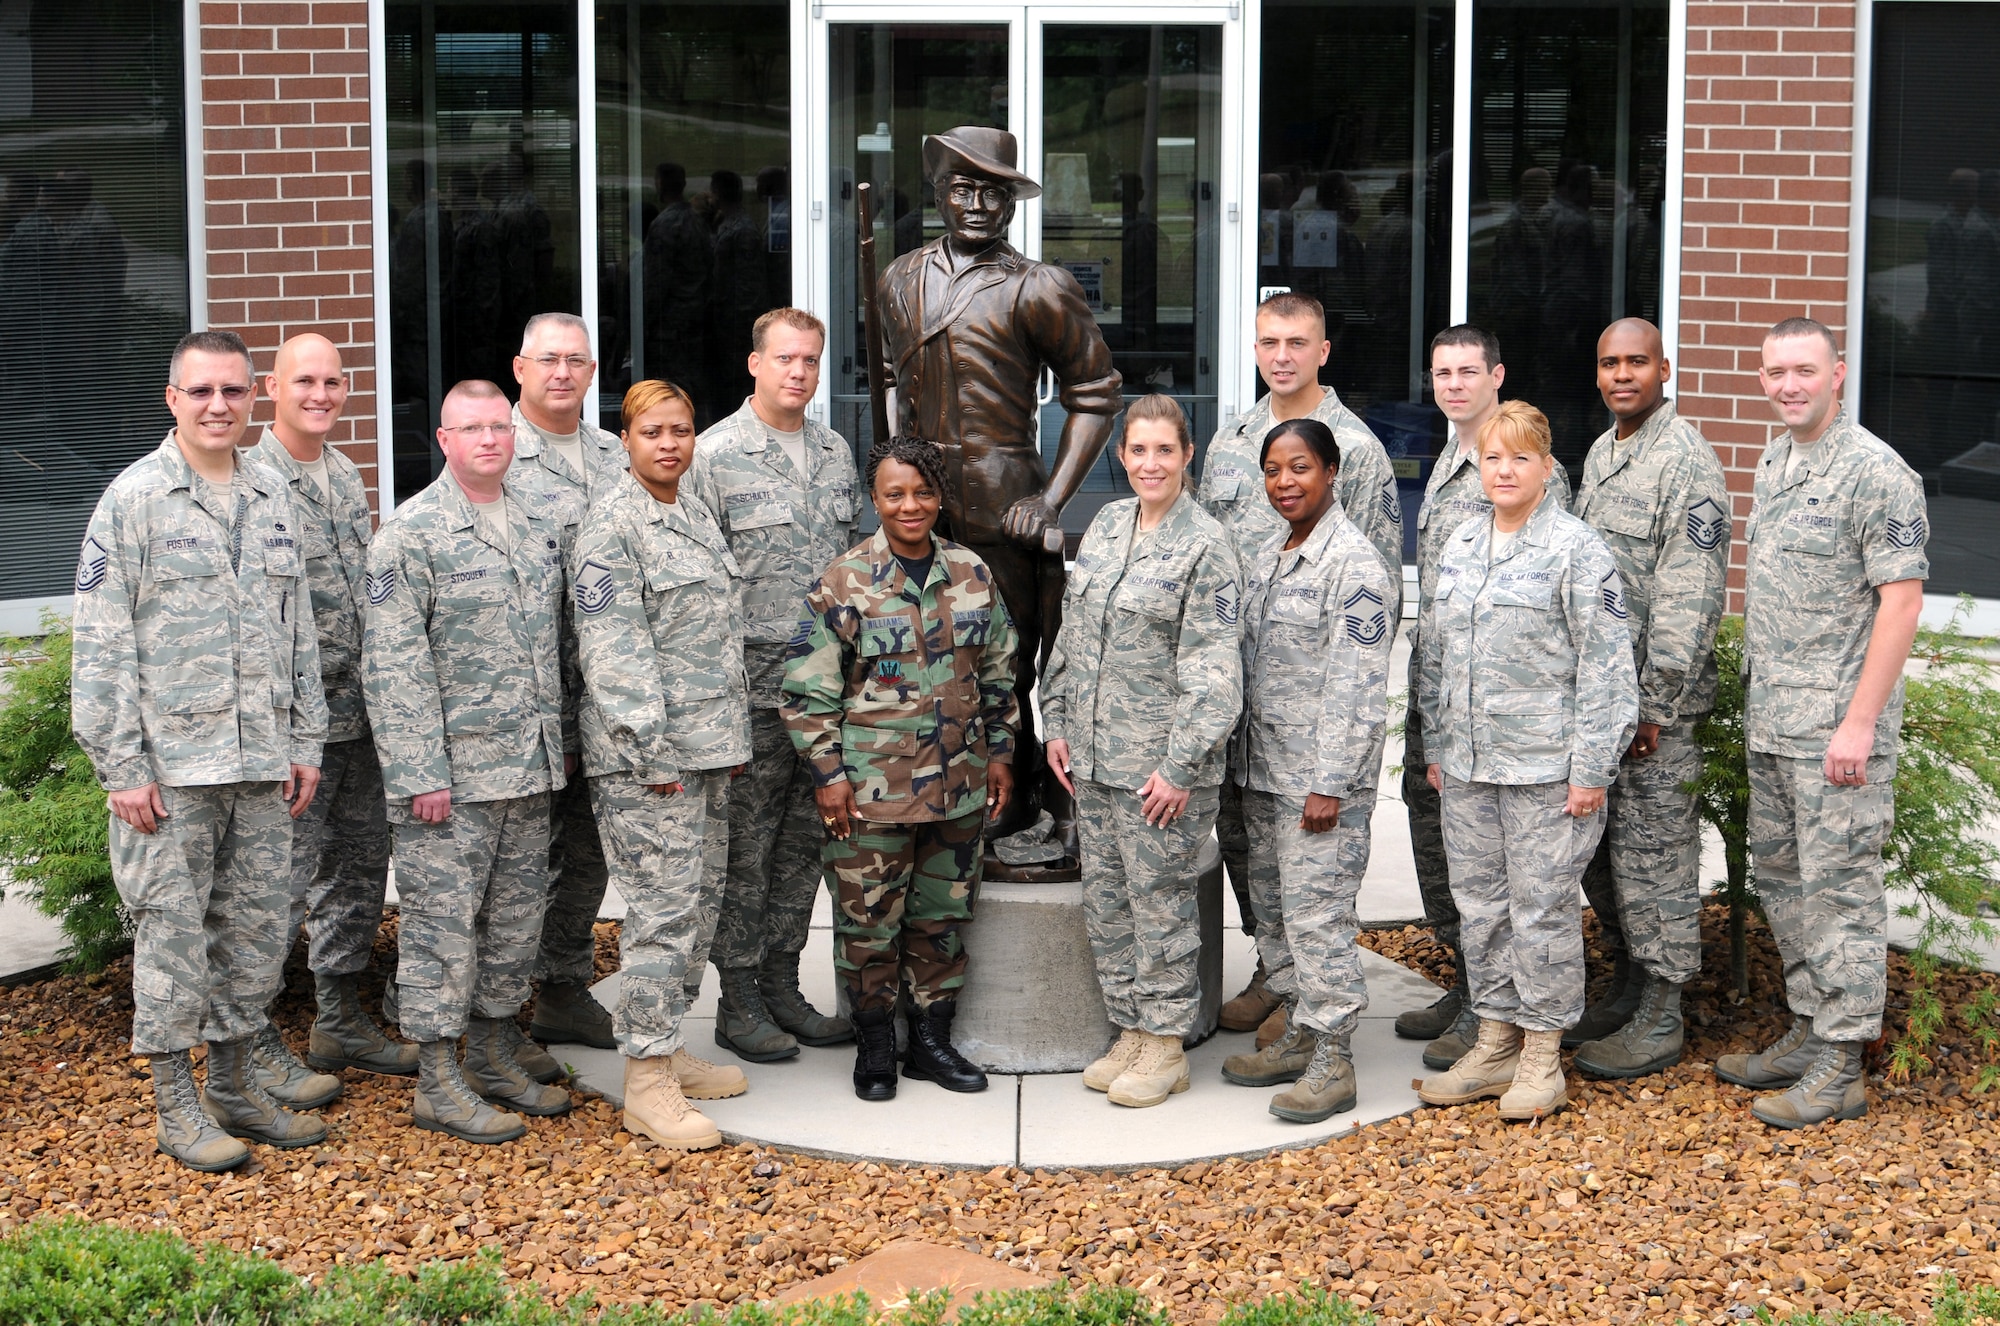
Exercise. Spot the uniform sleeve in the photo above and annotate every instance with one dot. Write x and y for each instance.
(700, 485)
(1893, 525)
(1209, 494)
(568, 517)
(1690, 588)
(398, 677)
(1558, 485)
(997, 701)
(1607, 688)
(815, 685)
(619, 664)
(1427, 674)
(104, 659)
(1354, 706)
(1208, 665)
(1370, 499)
(1052, 688)
(309, 716)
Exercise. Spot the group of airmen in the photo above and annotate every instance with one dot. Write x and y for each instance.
(565, 662)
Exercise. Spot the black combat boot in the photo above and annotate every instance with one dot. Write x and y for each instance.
(875, 1053)
(931, 1057)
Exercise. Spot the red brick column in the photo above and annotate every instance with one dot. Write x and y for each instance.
(284, 105)
(1770, 142)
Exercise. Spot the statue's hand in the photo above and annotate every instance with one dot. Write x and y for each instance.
(1026, 520)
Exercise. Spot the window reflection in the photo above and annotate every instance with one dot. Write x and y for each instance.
(483, 211)
(93, 264)
(1568, 167)
(1932, 325)
(695, 221)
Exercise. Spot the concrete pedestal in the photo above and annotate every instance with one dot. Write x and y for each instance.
(1031, 1002)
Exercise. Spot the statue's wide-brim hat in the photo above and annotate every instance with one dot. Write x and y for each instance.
(985, 153)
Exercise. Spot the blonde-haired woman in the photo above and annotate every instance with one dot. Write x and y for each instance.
(665, 717)
(1528, 697)
(1142, 688)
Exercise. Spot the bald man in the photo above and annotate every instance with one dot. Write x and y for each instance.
(1653, 488)
(340, 845)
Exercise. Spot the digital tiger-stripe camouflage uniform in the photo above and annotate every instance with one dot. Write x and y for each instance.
(1526, 687)
(1823, 535)
(196, 668)
(656, 598)
(907, 693)
(1316, 639)
(340, 844)
(1452, 496)
(1145, 677)
(1232, 489)
(784, 528)
(567, 961)
(1659, 501)
(463, 671)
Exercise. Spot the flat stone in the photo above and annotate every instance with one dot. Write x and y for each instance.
(897, 1271)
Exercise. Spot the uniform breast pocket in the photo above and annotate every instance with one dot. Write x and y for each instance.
(1810, 533)
(769, 515)
(1232, 486)
(971, 628)
(1617, 517)
(194, 721)
(887, 647)
(842, 502)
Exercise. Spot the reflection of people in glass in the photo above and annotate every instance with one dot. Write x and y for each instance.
(1573, 301)
(679, 283)
(1520, 259)
(1139, 267)
(740, 292)
(475, 344)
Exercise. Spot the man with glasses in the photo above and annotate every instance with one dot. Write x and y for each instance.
(195, 690)
(463, 671)
(340, 846)
(784, 491)
(560, 463)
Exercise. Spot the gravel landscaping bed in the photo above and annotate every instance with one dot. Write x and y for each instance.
(1653, 1200)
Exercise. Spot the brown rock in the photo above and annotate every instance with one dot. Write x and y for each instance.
(911, 1266)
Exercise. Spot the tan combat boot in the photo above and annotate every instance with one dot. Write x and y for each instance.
(445, 1103)
(492, 1070)
(1159, 1071)
(1326, 1088)
(1272, 1027)
(1780, 1065)
(290, 1082)
(1538, 1087)
(702, 1080)
(1247, 1011)
(344, 1036)
(1832, 1088)
(238, 1101)
(184, 1130)
(1487, 1069)
(1280, 1061)
(1105, 1069)
(656, 1108)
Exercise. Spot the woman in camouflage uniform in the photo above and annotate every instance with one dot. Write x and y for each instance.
(665, 718)
(1528, 697)
(1142, 688)
(899, 692)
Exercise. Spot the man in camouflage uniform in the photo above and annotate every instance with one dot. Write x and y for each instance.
(462, 670)
(1653, 489)
(901, 697)
(665, 717)
(1528, 697)
(1291, 347)
(1832, 594)
(784, 491)
(340, 845)
(561, 465)
(1466, 374)
(195, 690)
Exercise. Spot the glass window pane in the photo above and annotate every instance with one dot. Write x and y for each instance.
(1931, 385)
(1131, 159)
(1354, 203)
(893, 84)
(93, 264)
(1569, 131)
(482, 199)
(694, 185)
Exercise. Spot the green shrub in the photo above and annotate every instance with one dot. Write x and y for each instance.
(1947, 791)
(54, 826)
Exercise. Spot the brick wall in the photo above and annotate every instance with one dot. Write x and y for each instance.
(1770, 141)
(284, 92)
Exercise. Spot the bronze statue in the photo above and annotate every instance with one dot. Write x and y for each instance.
(970, 324)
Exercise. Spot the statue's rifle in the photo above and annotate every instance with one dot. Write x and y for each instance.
(871, 316)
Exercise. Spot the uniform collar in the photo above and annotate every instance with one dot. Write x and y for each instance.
(180, 474)
(757, 433)
(1259, 417)
(530, 440)
(1314, 548)
(1536, 533)
(272, 452)
(1640, 442)
(1818, 455)
(884, 566)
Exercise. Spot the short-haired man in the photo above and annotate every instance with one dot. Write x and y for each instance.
(195, 690)
(1466, 376)
(463, 672)
(562, 462)
(340, 845)
(784, 490)
(1653, 489)
(1291, 347)
(1832, 592)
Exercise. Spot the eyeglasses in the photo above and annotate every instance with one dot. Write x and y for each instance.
(547, 363)
(202, 395)
(470, 431)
